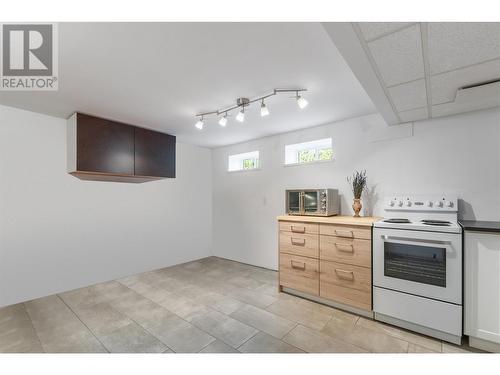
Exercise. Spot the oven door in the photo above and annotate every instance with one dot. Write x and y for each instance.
(427, 264)
(311, 202)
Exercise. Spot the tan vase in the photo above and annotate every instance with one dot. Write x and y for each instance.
(356, 206)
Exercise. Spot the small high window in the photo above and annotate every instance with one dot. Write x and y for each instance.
(243, 162)
(308, 152)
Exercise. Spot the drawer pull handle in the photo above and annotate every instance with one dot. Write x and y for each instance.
(345, 247)
(344, 233)
(298, 229)
(298, 241)
(344, 275)
(298, 266)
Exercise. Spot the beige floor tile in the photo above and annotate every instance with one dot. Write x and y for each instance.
(264, 321)
(269, 289)
(81, 341)
(225, 328)
(375, 342)
(252, 297)
(295, 311)
(244, 282)
(227, 305)
(179, 335)
(59, 329)
(264, 343)
(102, 319)
(312, 341)
(17, 334)
(218, 346)
(414, 348)
(450, 348)
(9, 312)
(131, 339)
(401, 334)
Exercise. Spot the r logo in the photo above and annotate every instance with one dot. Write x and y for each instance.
(27, 50)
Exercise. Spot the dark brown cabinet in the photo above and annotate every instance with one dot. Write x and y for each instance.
(105, 150)
(154, 153)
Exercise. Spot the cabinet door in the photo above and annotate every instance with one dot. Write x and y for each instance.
(154, 153)
(104, 146)
(482, 285)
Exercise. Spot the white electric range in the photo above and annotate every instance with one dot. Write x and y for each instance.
(417, 266)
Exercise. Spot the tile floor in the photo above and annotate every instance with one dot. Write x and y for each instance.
(212, 305)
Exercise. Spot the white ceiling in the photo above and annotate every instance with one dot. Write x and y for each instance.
(421, 68)
(159, 75)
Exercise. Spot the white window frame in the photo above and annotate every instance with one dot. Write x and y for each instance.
(235, 161)
(292, 151)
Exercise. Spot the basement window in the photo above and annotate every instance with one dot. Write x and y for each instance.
(243, 162)
(309, 152)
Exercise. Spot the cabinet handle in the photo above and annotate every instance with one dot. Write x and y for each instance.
(345, 247)
(299, 241)
(298, 229)
(298, 266)
(344, 275)
(344, 233)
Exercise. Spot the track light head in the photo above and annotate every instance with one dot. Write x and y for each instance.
(199, 125)
(241, 115)
(301, 102)
(263, 109)
(223, 120)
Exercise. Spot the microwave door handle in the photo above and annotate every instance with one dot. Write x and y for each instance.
(406, 239)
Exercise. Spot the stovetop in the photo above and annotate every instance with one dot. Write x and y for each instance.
(421, 225)
(432, 213)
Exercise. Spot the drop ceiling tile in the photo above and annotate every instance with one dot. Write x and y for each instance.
(398, 56)
(444, 86)
(414, 115)
(471, 99)
(409, 95)
(459, 44)
(372, 30)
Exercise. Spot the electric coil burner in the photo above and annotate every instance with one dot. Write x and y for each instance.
(417, 266)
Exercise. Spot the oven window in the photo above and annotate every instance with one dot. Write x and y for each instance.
(293, 201)
(422, 264)
(310, 201)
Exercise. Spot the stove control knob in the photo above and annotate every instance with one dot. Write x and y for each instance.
(408, 203)
(400, 203)
(428, 204)
(438, 203)
(448, 204)
(391, 203)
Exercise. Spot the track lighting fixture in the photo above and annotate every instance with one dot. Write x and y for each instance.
(241, 103)
(263, 109)
(241, 115)
(301, 102)
(200, 123)
(223, 120)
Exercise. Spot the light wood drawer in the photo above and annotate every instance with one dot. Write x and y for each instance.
(299, 244)
(298, 227)
(347, 284)
(345, 250)
(300, 273)
(345, 231)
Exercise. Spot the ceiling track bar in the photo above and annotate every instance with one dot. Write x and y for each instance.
(257, 99)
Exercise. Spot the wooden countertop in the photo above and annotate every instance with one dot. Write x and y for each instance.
(346, 220)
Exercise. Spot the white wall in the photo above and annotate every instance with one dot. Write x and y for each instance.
(454, 155)
(58, 233)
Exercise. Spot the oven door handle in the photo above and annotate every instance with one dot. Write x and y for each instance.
(406, 239)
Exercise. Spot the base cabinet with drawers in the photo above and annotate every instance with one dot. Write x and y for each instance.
(327, 257)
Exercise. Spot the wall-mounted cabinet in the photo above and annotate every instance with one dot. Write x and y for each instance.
(105, 150)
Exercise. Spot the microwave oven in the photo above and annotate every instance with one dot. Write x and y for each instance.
(314, 202)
